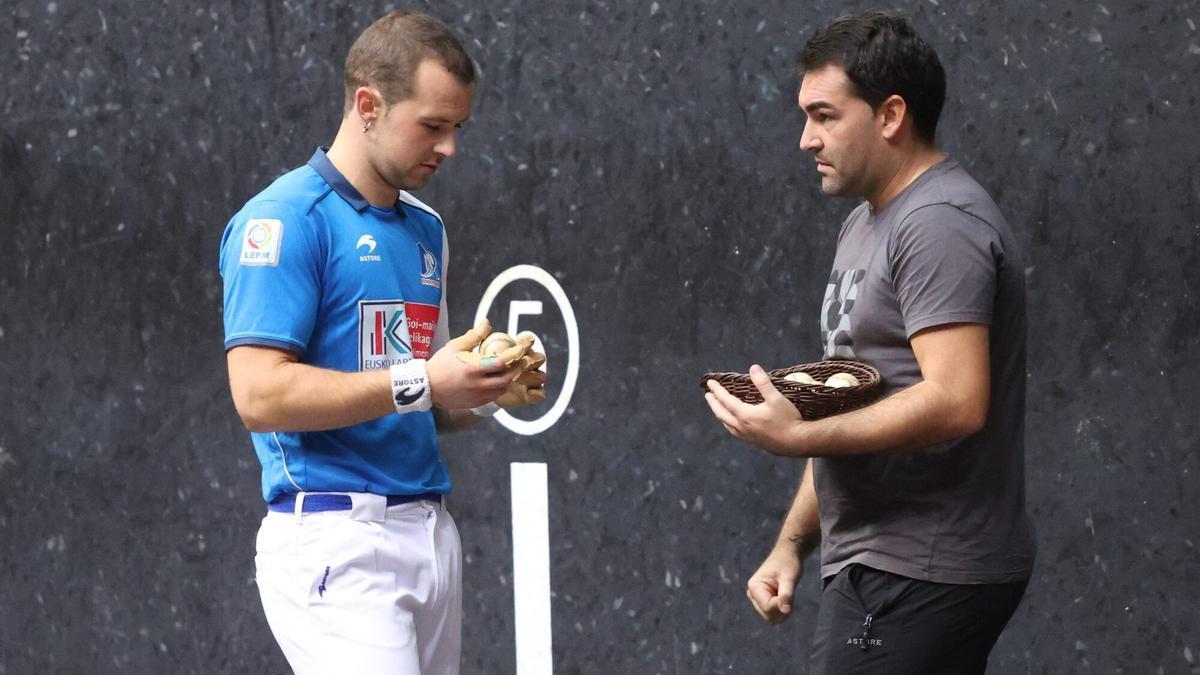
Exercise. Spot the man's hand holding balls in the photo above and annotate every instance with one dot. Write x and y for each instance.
(522, 363)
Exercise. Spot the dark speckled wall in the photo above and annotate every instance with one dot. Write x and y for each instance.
(645, 153)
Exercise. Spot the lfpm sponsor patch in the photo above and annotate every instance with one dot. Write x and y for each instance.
(260, 241)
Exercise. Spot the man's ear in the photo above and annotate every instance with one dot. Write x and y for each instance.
(368, 104)
(892, 114)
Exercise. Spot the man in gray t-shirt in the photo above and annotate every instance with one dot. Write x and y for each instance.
(918, 500)
(939, 253)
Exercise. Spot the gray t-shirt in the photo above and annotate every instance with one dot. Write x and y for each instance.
(938, 253)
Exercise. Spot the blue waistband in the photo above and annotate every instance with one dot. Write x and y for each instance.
(314, 503)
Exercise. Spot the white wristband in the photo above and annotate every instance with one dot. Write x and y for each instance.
(410, 387)
(486, 410)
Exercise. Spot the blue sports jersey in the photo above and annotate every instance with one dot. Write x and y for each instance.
(310, 266)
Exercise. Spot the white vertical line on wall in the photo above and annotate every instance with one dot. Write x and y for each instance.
(531, 567)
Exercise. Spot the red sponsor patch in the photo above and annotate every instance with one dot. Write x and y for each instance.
(422, 320)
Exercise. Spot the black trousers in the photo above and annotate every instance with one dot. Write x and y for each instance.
(878, 622)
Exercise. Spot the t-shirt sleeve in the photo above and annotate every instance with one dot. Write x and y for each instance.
(943, 265)
(270, 264)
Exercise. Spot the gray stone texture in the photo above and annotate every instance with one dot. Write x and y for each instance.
(646, 154)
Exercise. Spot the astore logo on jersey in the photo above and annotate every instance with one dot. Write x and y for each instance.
(368, 242)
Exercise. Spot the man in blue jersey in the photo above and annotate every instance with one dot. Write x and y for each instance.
(341, 366)
(917, 501)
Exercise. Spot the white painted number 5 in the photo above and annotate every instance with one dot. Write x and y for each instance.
(519, 308)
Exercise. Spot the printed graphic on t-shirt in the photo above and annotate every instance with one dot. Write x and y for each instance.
(394, 331)
(836, 328)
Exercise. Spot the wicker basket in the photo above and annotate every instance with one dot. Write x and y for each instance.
(814, 401)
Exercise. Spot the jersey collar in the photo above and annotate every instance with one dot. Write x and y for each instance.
(325, 168)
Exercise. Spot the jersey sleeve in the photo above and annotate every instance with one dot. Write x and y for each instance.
(943, 267)
(270, 263)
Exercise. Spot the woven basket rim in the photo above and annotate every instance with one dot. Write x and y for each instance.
(814, 401)
(777, 375)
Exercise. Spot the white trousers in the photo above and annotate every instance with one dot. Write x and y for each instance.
(371, 591)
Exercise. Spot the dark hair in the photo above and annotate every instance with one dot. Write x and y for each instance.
(882, 55)
(388, 52)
